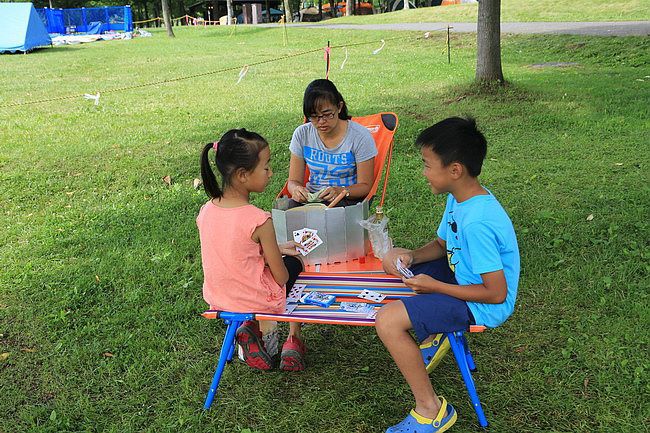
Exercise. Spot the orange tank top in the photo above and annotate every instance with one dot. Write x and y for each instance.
(234, 275)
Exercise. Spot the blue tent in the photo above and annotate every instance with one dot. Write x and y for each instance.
(21, 29)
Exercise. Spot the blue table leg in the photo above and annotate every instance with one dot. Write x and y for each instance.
(226, 351)
(468, 355)
(458, 347)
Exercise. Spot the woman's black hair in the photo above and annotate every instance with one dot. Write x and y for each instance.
(319, 91)
(237, 149)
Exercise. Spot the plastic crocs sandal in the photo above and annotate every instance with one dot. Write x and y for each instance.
(434, 351)
(293, 355)
(249, 338)
(416, 423)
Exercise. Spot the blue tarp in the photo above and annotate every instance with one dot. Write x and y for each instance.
(79, 20)
(21, 29)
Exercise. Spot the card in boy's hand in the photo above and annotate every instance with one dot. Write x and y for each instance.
(406, 272)
(371, 296)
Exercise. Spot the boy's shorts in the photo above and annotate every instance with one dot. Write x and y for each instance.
(433, 313)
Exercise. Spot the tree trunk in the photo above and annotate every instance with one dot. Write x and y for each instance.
(167, 17)
(348, 8)
(488, 35)
(287, 11)
(229, 11)
(406, 5)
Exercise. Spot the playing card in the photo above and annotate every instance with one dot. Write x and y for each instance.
(356, 307)
(308, 239)
(297, 235)
(296, 293)
(289, 308)
(371, 296)
(317, 298)
(406, 272)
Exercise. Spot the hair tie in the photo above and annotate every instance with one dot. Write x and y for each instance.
(215, 145)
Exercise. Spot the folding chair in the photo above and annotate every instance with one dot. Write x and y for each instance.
(345, 287)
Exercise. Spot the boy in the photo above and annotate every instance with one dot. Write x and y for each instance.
(467, 275)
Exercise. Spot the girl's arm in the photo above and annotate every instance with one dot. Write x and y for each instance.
(493, 290)
(296, 182)
(265, 235)
(365, 179)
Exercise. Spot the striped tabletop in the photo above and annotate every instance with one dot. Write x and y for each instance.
(346, 288)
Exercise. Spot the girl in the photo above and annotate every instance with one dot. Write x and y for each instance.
(340, 153)
(243, 266)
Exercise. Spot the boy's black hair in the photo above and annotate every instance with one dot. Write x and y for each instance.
(456, 139)
(237, 149)
(319, 91)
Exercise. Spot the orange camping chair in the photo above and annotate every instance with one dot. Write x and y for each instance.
(382, 127)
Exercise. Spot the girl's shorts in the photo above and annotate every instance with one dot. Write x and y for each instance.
(433, 313)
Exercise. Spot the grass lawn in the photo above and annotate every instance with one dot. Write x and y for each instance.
(517, 11)
(100, 289)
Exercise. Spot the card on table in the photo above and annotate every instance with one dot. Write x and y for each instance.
(296, 292)
(317, 298)
(357, 307)
(371, 296)
(289, 308)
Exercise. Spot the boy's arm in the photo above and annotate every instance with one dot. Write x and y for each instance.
(493, 290)
(435, 249)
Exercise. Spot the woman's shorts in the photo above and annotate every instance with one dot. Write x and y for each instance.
(433, 313)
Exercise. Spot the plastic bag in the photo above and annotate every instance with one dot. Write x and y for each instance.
(377, 226)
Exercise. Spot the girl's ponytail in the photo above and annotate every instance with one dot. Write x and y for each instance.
(237, 149)
(210, 183)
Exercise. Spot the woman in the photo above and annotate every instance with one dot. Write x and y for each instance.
(340, 153)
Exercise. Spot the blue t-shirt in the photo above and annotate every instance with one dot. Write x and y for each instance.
(337, 166)
(480, 238)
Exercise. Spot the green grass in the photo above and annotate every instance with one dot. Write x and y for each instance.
(517, 11)
(100, 289)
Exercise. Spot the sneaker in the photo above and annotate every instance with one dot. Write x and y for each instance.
(416, 423)
(249, 338)
(293, 355)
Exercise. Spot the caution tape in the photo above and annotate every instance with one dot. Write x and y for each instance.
(202, 74)
(147, 21)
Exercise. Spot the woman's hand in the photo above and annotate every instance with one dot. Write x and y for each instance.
(331, 192)
(300, 194)
(289, 248)
(421, 283)
(390, 260)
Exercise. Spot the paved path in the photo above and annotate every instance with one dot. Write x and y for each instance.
(620, 28)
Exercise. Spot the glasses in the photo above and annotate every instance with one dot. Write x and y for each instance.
(326, 116)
